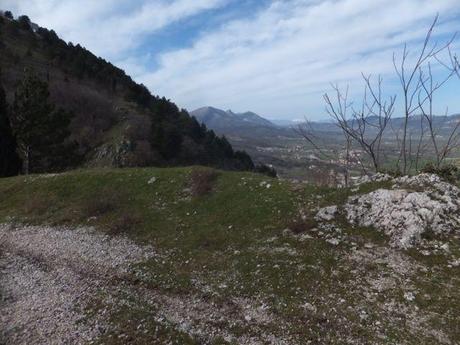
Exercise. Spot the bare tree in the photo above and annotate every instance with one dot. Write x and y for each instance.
(412, 85)
(420, 146)
(426, 103)
(307, 132)
(367, 124)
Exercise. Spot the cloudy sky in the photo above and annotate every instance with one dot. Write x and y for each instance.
(275, 57)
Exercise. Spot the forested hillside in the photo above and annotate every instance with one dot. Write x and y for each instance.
(114, 121)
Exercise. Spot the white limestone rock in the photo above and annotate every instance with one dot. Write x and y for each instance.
(413, 206)
(326, 213)
(378, 177)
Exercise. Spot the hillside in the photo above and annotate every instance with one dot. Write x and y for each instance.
(155, 255)
(117, 122)
(226, 121)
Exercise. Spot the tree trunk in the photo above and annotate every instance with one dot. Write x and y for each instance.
(26, 162)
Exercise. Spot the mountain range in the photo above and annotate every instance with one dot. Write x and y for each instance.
(230, 123)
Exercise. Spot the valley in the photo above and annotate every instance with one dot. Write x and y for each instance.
(293, 157)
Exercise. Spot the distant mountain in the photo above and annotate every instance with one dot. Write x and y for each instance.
(285, 123)
(220, 120)
(442, 123)
(253, 118)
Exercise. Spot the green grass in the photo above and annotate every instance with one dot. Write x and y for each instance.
(239, 211)
(166, 210)
(195, 232)
(231, 240)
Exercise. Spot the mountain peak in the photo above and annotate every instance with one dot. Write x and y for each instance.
(220, 119)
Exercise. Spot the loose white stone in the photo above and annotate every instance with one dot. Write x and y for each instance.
(326, 213)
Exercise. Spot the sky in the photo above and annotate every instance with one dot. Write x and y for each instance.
(273, 57)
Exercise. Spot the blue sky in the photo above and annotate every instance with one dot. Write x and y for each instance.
(274, 57)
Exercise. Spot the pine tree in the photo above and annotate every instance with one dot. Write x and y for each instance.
(41, 130)
(24, 22)
(8, 15)
(10, 163)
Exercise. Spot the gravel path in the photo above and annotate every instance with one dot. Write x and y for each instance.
(51, 277)
(61, 286)
(48, 276)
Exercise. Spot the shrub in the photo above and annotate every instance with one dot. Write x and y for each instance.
(395, 172)
(266, 170)
(301, 225)
(126, 222)
(202, 181)
(448, 172)
(37, 205)
(101, 205)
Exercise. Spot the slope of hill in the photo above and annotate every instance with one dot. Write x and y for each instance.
(148, 256)
(117, 121)
(221, 120)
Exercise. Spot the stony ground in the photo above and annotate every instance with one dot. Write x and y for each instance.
(64, 286)
(59, 286)
(253, 261)
(48, 276)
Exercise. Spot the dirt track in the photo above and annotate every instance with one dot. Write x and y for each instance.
(48, 277)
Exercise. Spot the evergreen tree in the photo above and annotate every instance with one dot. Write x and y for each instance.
(10, 164)
(8, 15)
(24, 22)
(41, 130)
(245, 161)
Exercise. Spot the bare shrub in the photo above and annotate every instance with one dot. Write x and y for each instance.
(102, 204)
(37, 204)
(142, 155)
(124, 223)
(366, 123)
(301, 225)
(202, 181)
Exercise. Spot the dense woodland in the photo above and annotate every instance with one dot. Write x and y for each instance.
(103, 117)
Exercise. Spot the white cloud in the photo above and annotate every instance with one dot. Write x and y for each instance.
(109, 28)
(278, 61)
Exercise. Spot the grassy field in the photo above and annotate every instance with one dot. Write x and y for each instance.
(164, 212)
(222, 238)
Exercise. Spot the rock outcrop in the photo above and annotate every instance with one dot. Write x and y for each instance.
(414, 207)
(379, 177)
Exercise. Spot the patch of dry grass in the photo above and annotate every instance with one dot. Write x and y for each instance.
(202, 181)
(301, 225)
(124, 223)
(104, 203)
